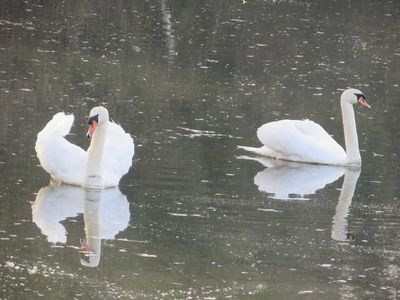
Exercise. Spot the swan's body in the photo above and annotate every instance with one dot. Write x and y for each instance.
(107, 159)
(306, 141)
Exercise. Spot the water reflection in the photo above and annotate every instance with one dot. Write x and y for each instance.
(340, 230)
(168, 31)
(291, 180)
(294, 181)
(232, 67)
(105, 212)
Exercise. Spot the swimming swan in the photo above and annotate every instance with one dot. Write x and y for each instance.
(107, 159)
(306, 141)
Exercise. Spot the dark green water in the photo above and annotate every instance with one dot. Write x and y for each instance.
(191, 80)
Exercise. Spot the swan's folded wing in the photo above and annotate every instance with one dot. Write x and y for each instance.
(300, 140)
(117, 156)
(317, 133)
(312, 129)
(64, 161)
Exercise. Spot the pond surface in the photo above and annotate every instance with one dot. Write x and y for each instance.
(194, 219)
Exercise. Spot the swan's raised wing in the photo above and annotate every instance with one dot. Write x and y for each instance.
(301, 141)
(64, 161)
(117, 156)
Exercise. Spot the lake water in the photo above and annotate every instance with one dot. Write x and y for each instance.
(193, 219)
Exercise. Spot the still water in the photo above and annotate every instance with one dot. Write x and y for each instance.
(194, 218)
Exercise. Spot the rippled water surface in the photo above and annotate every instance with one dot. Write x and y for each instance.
(195, 218)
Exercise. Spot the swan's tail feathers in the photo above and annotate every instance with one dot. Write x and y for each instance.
(260, 151)
(59, 125)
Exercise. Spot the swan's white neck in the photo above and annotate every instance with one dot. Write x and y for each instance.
(353, 156)
(95, 155)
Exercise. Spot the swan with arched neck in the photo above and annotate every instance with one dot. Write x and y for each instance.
(306, 141)
(107, 159)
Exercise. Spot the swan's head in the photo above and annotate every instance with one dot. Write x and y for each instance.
(97, 117)
(354, 96)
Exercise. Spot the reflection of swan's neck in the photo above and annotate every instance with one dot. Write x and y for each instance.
(91, 215)
(95, 155)
(339, 226)
(350, 134)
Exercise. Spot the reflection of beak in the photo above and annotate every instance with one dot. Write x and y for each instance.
(84, 246)
(91, 129)
(363, 102)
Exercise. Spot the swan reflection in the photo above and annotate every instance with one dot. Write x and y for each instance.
(294, 181)
(340, 224)
(105, 213)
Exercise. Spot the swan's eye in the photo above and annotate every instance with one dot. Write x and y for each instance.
(94, 118)
(360, 96)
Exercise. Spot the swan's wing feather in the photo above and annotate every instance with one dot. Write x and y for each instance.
(312, 129)
(300, 141)
(64, 161)
(59, 125)
(117, 156)
(319, 135)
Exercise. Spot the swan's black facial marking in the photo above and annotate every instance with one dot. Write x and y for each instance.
(361, 99)
(360, 96)
(93, 119)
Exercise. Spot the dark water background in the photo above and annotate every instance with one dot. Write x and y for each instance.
(191, 80)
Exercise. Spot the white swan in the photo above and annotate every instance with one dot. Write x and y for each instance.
(107, 159)
(306, 141)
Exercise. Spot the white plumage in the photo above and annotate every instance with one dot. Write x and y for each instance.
(111, 151)
(306, 141)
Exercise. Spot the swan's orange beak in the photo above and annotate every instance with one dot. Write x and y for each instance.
(93, 121)
(91, 129)
(363, 102)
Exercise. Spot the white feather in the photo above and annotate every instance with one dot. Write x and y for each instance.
(306, 141)
(67, 163)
